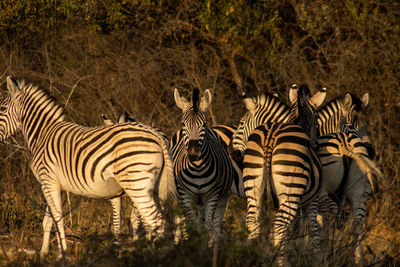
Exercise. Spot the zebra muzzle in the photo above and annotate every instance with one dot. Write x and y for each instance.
(193, 150)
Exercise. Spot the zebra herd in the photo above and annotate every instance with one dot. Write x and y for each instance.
(308, 157)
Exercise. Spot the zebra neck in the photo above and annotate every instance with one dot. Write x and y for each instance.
(328, 117)
(38, 114)
(331, 125)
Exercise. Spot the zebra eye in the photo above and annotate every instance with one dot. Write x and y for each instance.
(3, 109)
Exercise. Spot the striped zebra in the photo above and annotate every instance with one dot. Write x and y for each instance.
(103, 162)
(202, 167)
(280, 156)
(346, 154)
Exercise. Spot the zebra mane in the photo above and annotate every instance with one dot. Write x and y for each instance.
(265, 98)
(297, 109)
(304, 94)
(195, 98)
(30, 91)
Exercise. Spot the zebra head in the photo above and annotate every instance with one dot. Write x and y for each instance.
(10, 109)
(350, 122)
(261, 109)
(352, 111)
(194, 121)
(343, 109)
(123, 117)
(304, 107)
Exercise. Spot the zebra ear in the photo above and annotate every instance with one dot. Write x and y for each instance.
(106, 120)
(205, 100)
(12, 86)
(181, 102)
(347, 102)
(249, 104)
(293, 92)
(318, 98)
(365, 100)
(125, 117)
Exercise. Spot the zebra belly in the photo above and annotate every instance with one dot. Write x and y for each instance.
(198, 186)
(96, 188)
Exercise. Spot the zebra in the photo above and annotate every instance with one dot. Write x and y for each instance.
(202, 167)
(280, 156)
(102, 162)
(346, 154)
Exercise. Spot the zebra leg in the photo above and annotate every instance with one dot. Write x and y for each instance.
(116, 217)
(47, 225)
(312, 211)
(179, 225)
(187, 203)
(214, 212)
(289, 199)
(135, 222)
(296, 226)
(357, 189)
(328, 210)
(283, 218)
(254, 188)
(219, 215)
(147, 210)
(209, 213)
(52, 195)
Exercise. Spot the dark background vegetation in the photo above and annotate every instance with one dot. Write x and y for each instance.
(111, 56)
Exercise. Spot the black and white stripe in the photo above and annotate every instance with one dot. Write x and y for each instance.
(99, 162)
(202, 167)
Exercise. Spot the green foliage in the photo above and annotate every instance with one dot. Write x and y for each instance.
(20, 16)
(248, 27)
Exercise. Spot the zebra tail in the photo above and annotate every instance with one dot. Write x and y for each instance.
(167, 187)
(377, 174)
(254, 181)
(366, 165)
